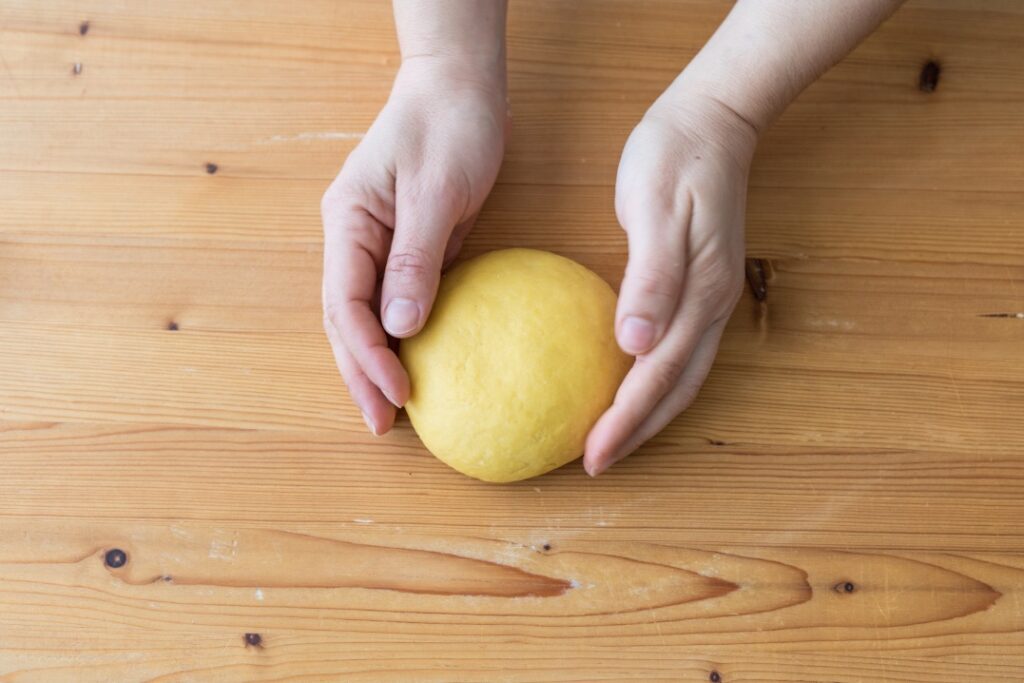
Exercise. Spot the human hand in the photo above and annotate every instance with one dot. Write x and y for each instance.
(680, 195)
(398, 212)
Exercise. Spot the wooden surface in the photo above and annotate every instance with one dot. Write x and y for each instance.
(844, 502)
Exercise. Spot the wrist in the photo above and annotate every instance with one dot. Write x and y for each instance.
(767, 51)
(486, 61)
(708, 118)
(456, 38)
(753, 106)
(447, 72)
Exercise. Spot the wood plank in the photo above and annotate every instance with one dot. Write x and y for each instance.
(679, 489)
(783, 223)
(879, 128)
(812, 362)
(743, 598)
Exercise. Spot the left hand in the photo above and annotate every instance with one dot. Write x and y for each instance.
(680, 195)
(399, 210)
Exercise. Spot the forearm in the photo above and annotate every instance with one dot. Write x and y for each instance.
(467, 32)
(767, 51)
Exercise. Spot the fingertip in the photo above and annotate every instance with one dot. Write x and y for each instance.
(388, 422)
(596, 450)
(393, 398)
(370, 424)
(379, 417)
(398, 393)
(594, 468)
(636, 334)
(402, 317)
(602, 462)
(384, 370)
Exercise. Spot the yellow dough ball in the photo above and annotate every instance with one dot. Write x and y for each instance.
(515, 364)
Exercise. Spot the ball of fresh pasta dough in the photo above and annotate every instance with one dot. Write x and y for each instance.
(515, 364)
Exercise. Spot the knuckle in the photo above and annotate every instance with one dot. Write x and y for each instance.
(733, 292)
(721, 289)
(337, 195)
(333, 205)
(447, 188)
(665, 374)
(328, 200)
(452, 189)
(411, 262)
(686, 395)
(657, 282)
(721, 285)
(362, 231)
(332, 318)
(344, 194)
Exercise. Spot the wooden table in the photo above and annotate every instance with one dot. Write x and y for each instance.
(180, 465)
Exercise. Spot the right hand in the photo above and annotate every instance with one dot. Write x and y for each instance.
(397, 213)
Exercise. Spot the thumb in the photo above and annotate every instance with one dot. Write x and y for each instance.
(652, 285)
(423, 223)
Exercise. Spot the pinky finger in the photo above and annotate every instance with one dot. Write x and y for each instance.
(378, 412)
(679, 397)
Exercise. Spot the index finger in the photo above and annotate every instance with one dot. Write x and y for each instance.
(653, 376)
(674, 402)
(355, 248)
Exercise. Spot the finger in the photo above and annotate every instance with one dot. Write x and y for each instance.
(424, 221)
(674, 402)
(378, 412)
(651, 288)
(355, 245)
(652, 376)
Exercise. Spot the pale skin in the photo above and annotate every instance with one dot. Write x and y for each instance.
(406, 197)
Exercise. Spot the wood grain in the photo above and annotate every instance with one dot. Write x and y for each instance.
(844, 502)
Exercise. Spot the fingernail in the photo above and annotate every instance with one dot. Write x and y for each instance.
(369, 423)
(594, 470)
(391, 398)
(401, 316)
(636, 335)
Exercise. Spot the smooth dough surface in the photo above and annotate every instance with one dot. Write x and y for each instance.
(515, 364)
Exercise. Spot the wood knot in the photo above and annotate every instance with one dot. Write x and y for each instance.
(253, 640)
(715, 677)
(115, 558)
(546, 547)
(928, 81)
(756, 278)
(83, 28)
(844, 587)
(211, 167)
(172, 326)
